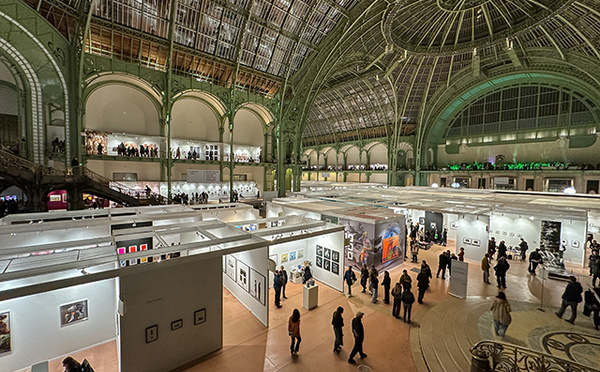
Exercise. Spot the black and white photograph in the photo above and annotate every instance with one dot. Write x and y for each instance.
(335, 268)
(74, 312)
(327, 253)
(550, 236)
(319, 251)
(476, 242)
(242, 275)
(257, 286)
(176, 324)
(327, 265)
(300, 253)
(575, 244)
(319, 261)
(199, 316)
(466, 240)
(231, 263)
(5, 338)
(151, 334)
(335, 256)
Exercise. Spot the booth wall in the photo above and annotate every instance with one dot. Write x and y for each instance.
(255, 259)
(146, 171)
(161, 296)
(335, 242)
(61, 234)
(450, 222)
(36, 330)
(574, 231)
(502, 227)
(474, 229)
(286, 248)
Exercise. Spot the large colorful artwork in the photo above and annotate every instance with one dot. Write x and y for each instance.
(73, 313)
(5, 341)
(390, 248)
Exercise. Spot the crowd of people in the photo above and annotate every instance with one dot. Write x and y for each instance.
(58, 146)
(11, 206)
(143, 151)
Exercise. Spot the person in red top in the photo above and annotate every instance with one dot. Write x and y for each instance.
(294, 331)
(461, 254)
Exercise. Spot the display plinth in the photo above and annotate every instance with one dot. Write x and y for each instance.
(310, 297)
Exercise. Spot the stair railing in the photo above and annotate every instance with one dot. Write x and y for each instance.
(487, 356)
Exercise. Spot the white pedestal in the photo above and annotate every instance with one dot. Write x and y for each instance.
(310, 297)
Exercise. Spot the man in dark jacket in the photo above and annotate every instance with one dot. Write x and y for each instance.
(359, 336)
(492, 247)
(338, 323)
(501, 249)
(535, 258)
(442, 264)
(571, 297)
(523, 248)
(277, 284)
(422, 285)
(284, 279)
(501, 268)
(364, 277)
(349, 278)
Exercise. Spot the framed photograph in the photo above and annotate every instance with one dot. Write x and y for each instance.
(511, 234)
(5, 339)
(300, 253)
(176, 324)
(319, 251)
(274, 258)
(575, 244)
(284, 257)
(466, 240)
(421, 221)
(497, 232)
(319, 261)
(327, 253)
(151, 333)
(476, 242)
(199, 316)
(258, 283)
(73, 312)
(335, 256)
(231, 267)
(327, 265)
(292, 255)
(335, 268)
(242, 277)
(454, 225)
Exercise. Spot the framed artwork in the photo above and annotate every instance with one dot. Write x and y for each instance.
(327, 265)
(454, 225)
(335, 256)
(575, 244)
(511, 234)
(274, 258)
(151, 333)
(476, 242)
(242, 276)
(467, 240)
(497, 232)
(199, 316)
(300, 253)
(258, 283)
(73, 312)
(319, 261)
(319, 251)
(504, 233)
(5, 339)
(335, 268)
(390, 248)
(421, 221)
(284, 257)
(231, 264)
(292, 255)
(176, 324)
(327, 253)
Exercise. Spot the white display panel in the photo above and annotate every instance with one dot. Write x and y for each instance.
(472, 235)
(511, 228)
(334, 242)
(36, 330)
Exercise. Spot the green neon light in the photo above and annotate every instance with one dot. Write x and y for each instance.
(508, 166)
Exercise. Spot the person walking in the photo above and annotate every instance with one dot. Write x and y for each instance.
(386, 282)
(442, 264)
(349, 278)
(535, 258)
(374, 279)
(491, 247)
(405, 280)
(294, 331)
(422, 285)
(570, 298)
(408, 298)
(523, 248)
(364, 277)
(485, 267)
(358, 331)
(425, 267)
(501, 268)
(337, 322)
(277, 284)
(501, 314)
(397, 295)
(284, 279)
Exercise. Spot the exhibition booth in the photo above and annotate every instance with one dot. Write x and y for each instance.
(242, 153)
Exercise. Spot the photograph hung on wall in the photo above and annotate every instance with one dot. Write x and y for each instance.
(73, 312)
(284, 257)
(467, 240)
(231, 263)
(319, 251)
(335, 268)
(5, 339)
(327, 253)
(292, 255)
(273, 257)
(476, 242)
(390, 243)
(300, 253)
(550, 236)
(257, 286)
(326, 265)
(319, 261)
(242, 276)
(335, 256)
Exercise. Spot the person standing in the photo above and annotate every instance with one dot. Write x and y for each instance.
(571, 297)
(349, 278)
(501, 313)
(408, 298)
(452, 258)
(595, 269)
(277, 284)
(501, 249)
(461, 254)
(444, 236)
(364, 277)
(307, 273)
(422, 285)
(442, 264)
(358, 331)
(535, 258)
(405, 280)
(374, 279)
(337, 322)
(425, 267)
(485, 267)
(491, 247)
(592, 260)
(71, 365)
(501, 268)
(414, 251)
(294, 331)
(386, 282)
(523, 248)
(397, 294)
(284, 279)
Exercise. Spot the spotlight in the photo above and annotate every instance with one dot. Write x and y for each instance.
(435, 185)
(570, 191)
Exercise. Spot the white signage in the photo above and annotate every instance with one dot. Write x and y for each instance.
(458, 279)
(325, 174)
(203, 176)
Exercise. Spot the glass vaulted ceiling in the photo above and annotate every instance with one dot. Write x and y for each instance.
(279, 33)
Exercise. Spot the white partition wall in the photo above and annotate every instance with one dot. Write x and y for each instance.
(331, 271)
(39, 332)
(472, 235)
(155, 301)
(245, 276)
